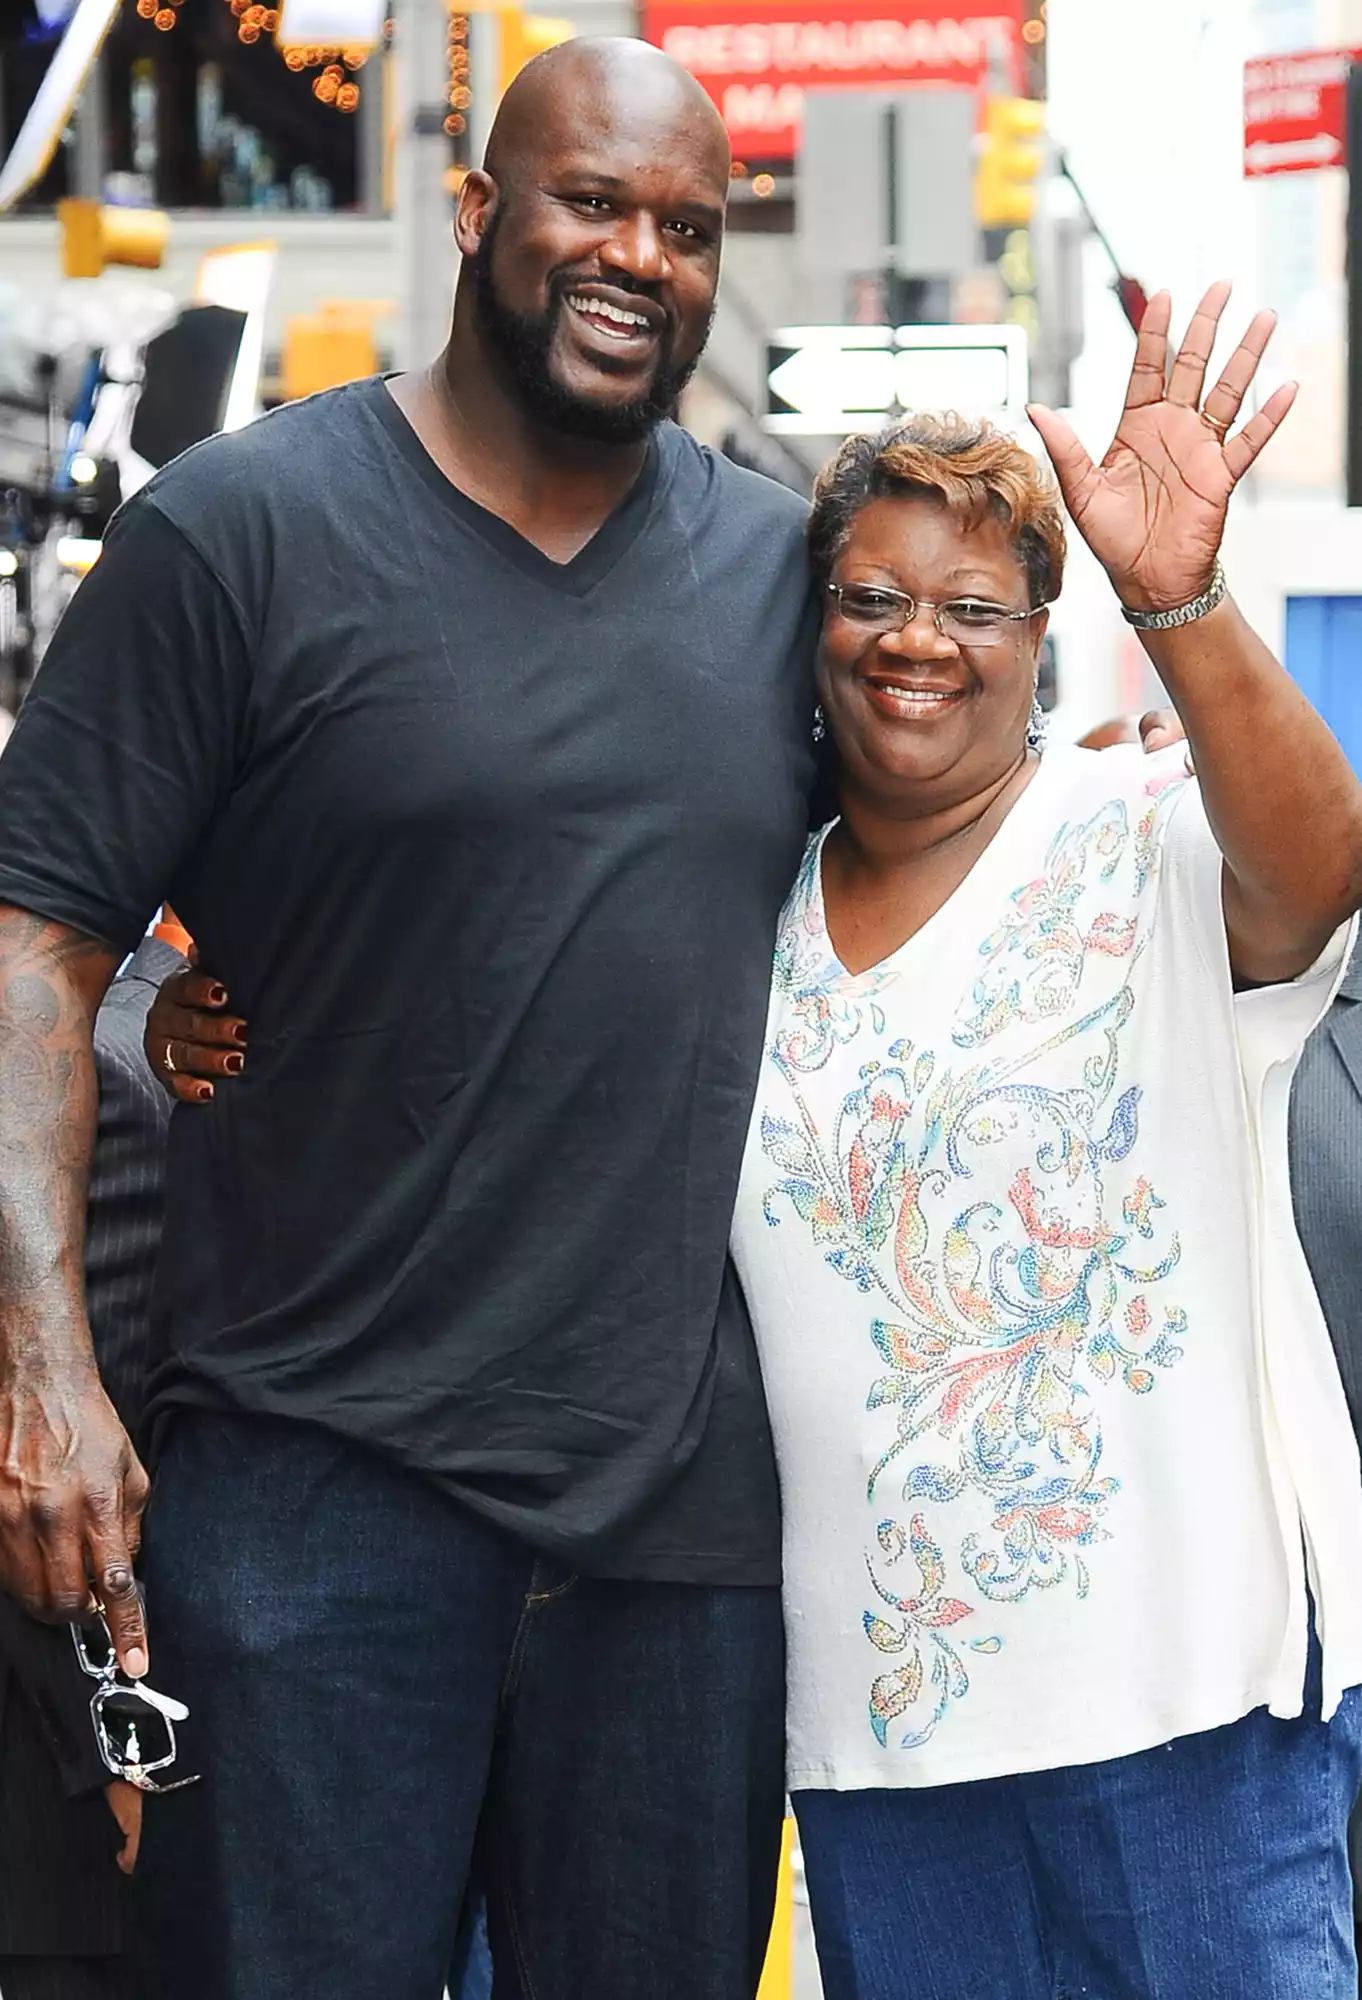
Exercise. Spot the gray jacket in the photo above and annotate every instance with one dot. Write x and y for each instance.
(1326, 1173)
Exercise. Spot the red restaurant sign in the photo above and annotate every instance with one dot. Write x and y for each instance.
(757, 59)
(1296, 112)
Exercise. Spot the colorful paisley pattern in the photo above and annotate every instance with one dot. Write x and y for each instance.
(999, 1327)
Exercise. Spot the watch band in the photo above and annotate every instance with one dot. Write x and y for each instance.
(1182, 614)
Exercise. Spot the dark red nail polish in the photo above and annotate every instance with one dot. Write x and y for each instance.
(234, 1065)
(217, 996)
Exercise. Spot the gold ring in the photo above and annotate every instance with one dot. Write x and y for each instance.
(1214, 424)
(170, 1060)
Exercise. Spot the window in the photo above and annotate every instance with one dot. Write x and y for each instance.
(200, 110)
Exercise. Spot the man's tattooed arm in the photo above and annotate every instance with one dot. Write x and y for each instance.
(71, 1489)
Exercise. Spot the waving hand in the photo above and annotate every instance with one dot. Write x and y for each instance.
(1153, 512)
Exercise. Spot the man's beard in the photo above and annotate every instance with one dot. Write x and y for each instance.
(523, 342)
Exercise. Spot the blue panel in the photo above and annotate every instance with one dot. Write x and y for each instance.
(1324, 658)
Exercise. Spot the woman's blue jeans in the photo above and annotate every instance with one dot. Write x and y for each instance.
(1212, 1868)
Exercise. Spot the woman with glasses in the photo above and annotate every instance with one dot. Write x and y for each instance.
(1073, 1518)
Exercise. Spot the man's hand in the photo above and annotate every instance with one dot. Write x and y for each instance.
(1160, 728)
(72, 1494)
(125, 1803)
(190, 1039)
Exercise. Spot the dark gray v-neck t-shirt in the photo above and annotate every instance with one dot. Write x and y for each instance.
(490, 851)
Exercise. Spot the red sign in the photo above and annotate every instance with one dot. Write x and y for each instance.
(1296, 112)
(757, 59)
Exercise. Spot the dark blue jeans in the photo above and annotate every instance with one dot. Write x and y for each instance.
(378, 1683)
(470, 1973)
(1212, 1868)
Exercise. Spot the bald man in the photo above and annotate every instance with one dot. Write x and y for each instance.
(465, 719)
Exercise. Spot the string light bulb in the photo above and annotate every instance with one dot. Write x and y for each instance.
(458, 95)
(255, 19)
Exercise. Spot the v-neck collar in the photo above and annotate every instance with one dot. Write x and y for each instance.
(992, 871)
(591, 564)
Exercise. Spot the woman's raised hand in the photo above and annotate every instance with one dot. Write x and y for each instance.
(1153, 512)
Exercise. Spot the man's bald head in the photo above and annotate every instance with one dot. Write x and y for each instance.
(597, 81)
(591, 237)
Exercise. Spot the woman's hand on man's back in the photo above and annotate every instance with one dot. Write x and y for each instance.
(192, 1040)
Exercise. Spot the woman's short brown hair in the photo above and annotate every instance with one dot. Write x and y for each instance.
(974, 469)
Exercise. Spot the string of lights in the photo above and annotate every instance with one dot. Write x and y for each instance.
(458, 94)
(332, 85)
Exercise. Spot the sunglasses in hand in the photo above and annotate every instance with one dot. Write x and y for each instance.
(134, 1725)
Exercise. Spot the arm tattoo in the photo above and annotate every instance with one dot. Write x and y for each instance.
(52, 979)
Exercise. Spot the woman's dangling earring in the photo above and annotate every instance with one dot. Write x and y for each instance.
(820, 727)
(1035, 728)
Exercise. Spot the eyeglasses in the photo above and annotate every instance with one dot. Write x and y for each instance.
(966, 621)
(134, 1725)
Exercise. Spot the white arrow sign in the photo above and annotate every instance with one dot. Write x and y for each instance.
(1323, 150)
(838, 378)
(824, 378)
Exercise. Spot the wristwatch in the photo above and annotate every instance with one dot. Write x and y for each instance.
(1181, 614)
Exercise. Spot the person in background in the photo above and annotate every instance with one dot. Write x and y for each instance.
(66, 1830)
(1326, 1186)
(1106, 735)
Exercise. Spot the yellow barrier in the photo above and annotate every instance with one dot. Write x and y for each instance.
(333, 345)
(777, 1980)
(93, 236)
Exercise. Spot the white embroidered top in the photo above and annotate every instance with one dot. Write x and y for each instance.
(1055, 1408)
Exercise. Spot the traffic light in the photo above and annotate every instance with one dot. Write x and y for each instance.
(1011, 160)
(93, 235)
(524, 36)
